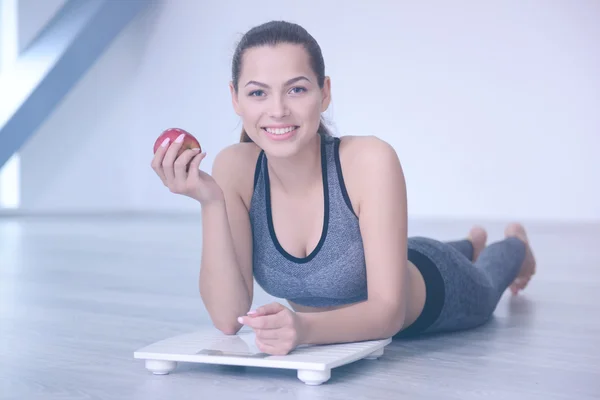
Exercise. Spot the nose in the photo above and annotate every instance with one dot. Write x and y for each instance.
(278, 107)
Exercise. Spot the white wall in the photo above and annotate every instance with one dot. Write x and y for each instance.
(9, 51)
(493, 108)
(2, 45)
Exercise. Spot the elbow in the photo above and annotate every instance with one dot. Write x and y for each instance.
(229, 330)
(393, 315)
(392, 326)
(227, 324)
(228, 327)
(222, 319)
(395, 325)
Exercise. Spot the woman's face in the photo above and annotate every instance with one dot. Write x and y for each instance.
(279, 99)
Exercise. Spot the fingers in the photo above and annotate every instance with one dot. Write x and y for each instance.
(173, 169)
(274, 327)
(269, 334)
(180, 167)
(270, 348)
(274, 321)
(168, 161)
(157, 160)
(274, 347)
(269, 316)
(272, 308)
(195, 166)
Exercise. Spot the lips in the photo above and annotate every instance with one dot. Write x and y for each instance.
(280, 130)
(280, 133)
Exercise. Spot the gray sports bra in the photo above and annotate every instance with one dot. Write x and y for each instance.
(334, 273)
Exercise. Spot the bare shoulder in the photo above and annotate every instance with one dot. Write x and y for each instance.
(369, 162)
(366, 157)
(234, 167)
(366, 149)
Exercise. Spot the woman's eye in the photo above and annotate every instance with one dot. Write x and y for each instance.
(298, 90)
(256, 93)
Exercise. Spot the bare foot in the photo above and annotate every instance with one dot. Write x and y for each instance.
(478, 237)
(528, 266)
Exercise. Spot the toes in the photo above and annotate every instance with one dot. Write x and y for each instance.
(519, 284)
(516, 230)
(478, 231)
(478, 235)
(524, 282)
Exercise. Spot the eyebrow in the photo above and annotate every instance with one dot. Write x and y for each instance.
(289, 82)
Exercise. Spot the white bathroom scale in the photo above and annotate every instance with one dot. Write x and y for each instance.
(209, 346)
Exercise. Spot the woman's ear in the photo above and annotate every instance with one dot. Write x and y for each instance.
(234, 98)
(326, 94)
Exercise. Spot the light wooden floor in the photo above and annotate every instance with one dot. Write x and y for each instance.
(77, 297)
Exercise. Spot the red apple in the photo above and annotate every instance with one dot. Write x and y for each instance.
(189, 141)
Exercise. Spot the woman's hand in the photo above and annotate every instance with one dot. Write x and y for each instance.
(278, 329)
(182, 174)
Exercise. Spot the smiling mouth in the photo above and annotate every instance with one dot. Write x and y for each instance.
(280, 131)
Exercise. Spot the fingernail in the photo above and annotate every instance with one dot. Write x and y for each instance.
(251, 312)
(165, 142)
(196, 149)
(180, 138)
(240, 320)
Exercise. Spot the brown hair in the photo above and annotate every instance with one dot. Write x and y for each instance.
(273, 33)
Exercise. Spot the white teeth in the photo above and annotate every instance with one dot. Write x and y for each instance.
(280, 131)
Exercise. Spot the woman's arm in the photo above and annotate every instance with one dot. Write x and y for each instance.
(226, 282)
(378, 178)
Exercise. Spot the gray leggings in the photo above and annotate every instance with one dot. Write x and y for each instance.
(461, 294)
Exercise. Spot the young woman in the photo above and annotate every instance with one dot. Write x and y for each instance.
(321, 221)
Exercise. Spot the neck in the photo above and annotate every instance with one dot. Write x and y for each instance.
(298, 173)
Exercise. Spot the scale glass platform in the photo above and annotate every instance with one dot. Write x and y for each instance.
(313, 363)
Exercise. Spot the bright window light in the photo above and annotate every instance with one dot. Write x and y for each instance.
(10, 179)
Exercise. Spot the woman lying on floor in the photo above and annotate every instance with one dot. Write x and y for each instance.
(322, 221)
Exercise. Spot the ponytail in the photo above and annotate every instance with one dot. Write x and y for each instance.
(244, 138)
